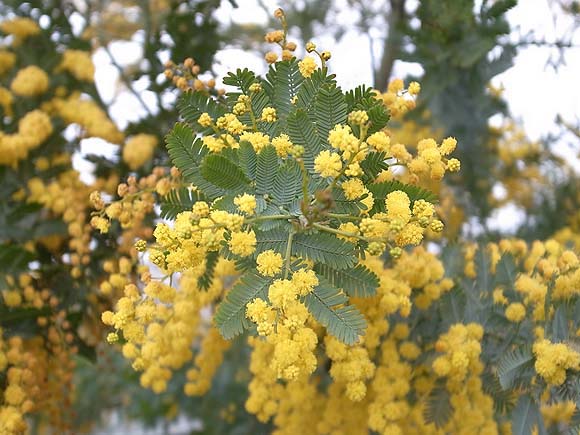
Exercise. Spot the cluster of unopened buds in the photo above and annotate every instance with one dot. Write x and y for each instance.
(185, 76)
(137, 199)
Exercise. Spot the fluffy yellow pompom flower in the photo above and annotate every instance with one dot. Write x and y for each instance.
(453, 165)
(283, 145)
(246, 203)
(268, 114)
(552, 361)
(379, 141)
(304, 281)
(515, 312)
(79, 64)
(205, 120)
(282, 293)
(398, 206)
(29, 82)
(139, 150)
(269, 263)
(21, 28)
(7, 61)
(307, 66)
(243, 243)
(257, 140)
(353, 189)
(259, 312)
(327, 164)
(414, 88)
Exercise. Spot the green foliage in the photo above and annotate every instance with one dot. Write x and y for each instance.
(373, 164)
(185, 151)
(274, 239)
(328, 305)
(266, 169)
(514, 367)
(206, 278)
(193, 103)
(324, 248)
(248, 159)
(358, 281)
(310, 89)
(303, 132)
(363, 98)
(177, 201)
(330, 109)
(525, 416)
(222, 172)
(438, 409)
(230, 317)
(281, 85)
(287, 184)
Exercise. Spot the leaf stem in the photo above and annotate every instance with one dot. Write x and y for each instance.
(344, 216)
(288, 254)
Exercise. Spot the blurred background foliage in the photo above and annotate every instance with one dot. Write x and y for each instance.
(460, 47)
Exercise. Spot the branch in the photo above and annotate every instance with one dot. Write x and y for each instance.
(392, 45)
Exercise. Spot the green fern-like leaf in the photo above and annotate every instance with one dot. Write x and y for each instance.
(358, 281)
(356, 96)
(185, 151)
(193, 103)
(224, 173)
(266, 169)
(325, 248)
(14, 258)
(275, 239)
(438, 408)
(302, 131)
(381, 190)
(328, 305)
(513, 365)
(346, 206)
(372, 165)
(206, 278)
(230, 317)
(525, 416)
(281, 85)
(311, 86)
(330, 109)
(363, 98)
(177, 201)
(248, 159)
(287, 185)
(503, 400)
(506, 271)
(241, 79)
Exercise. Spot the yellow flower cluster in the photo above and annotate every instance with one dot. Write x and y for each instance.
(86, 113)
(432, 159)
(29, 82)
(7, 61)
(461, 347)
(307, 66)
(351, 366)
(21, 28)
(396, 97)
(283, 324)
(79, 64)
(553, 359)
(207, 361)
(161, 324)
(139, 149)
(6, 101)
(33, 129)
